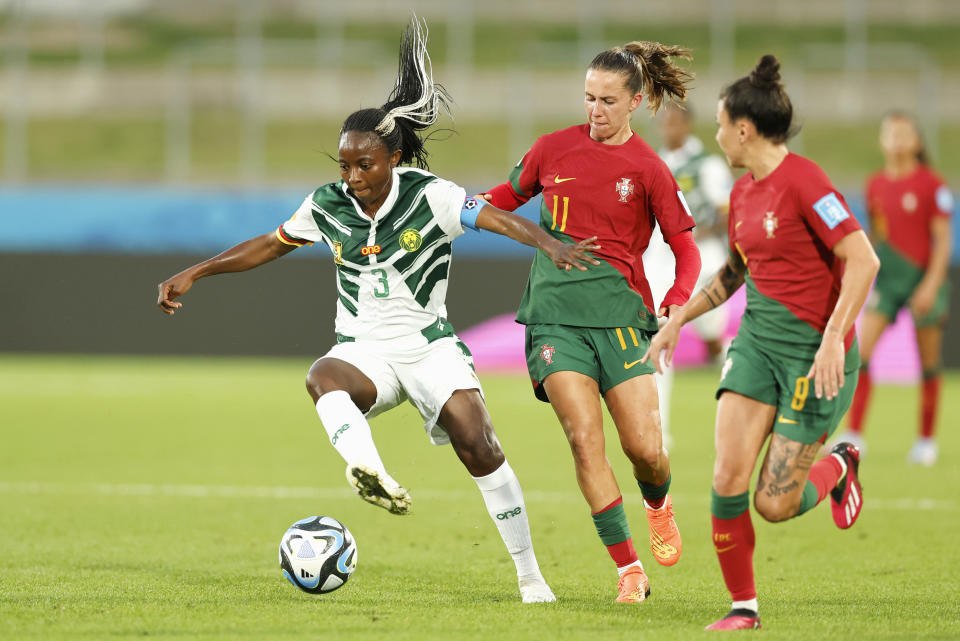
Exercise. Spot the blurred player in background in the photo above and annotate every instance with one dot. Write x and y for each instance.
(705, 180)
(910, 211)
(585, 335)
(808, 267)
(390, 230)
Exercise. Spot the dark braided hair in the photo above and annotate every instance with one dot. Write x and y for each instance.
(415, 103)
(760, 98)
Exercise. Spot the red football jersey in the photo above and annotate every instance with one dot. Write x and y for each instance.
(784, 227)
(901, 210)
(614, 192)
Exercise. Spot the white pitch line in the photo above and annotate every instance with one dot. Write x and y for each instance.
(329, 493)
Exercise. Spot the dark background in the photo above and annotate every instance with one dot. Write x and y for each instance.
(90, 303)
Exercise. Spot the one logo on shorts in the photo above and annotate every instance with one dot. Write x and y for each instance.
(624, 188)
(410, 240)
(770, 224)
(547, 352)
(909, 202)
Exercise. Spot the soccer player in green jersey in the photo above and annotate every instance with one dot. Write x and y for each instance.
(790, 372)
(390, 230)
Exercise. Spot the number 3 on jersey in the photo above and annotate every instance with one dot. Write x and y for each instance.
(381, 275)
(563, 219)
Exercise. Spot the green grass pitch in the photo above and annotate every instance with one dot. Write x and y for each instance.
(145, 498)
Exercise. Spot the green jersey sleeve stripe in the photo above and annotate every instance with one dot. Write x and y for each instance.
(515, 180)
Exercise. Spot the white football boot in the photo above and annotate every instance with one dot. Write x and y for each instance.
(378, 488)
(535, 590)
(924, 452)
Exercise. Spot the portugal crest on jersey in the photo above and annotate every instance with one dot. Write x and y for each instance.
(624, 188)
(909, 202)
(410, 240)
(547, 352)
(770, 224)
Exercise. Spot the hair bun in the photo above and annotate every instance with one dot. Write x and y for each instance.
(767, 72)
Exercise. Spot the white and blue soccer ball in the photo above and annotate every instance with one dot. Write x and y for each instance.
(318, 554)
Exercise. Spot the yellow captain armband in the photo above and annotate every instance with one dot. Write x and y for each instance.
(286, 239)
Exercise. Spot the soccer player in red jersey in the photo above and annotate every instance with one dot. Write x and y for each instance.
(586, 336)
(910, 209)
(807, 267)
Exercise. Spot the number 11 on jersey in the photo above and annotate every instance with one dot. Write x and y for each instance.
(563, 220)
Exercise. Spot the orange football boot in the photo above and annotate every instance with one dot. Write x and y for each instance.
(634, 586)
(665, 540)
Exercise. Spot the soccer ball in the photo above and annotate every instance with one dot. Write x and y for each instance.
(318, 554)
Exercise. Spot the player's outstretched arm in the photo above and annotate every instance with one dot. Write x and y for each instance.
(563, 255)
(246, 255)
(860, 268)
(725, 282)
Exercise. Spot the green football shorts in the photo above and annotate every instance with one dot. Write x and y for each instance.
(782, 382)
(896, 282)
(608, 355)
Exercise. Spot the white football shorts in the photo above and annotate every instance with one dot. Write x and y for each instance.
(426, 375)
(713, 256)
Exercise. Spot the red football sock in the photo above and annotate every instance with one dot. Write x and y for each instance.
(928, 406)
(824, 475)
(734, 540)
(861, 396)
(623, 553)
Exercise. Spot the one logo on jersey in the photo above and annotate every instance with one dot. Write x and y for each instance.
(558, 179)
(338, 252)
(770, 224)
(831, 210)
(624, 188)
(547, 352)
(371, 249)
(410, 240)
(909, 202)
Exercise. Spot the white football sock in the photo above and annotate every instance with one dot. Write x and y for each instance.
(623, 570)
(750, 604)
(504, 500)
(348, 430)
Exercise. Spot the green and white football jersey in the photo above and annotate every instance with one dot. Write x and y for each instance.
(392, 270)
(704, 178)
